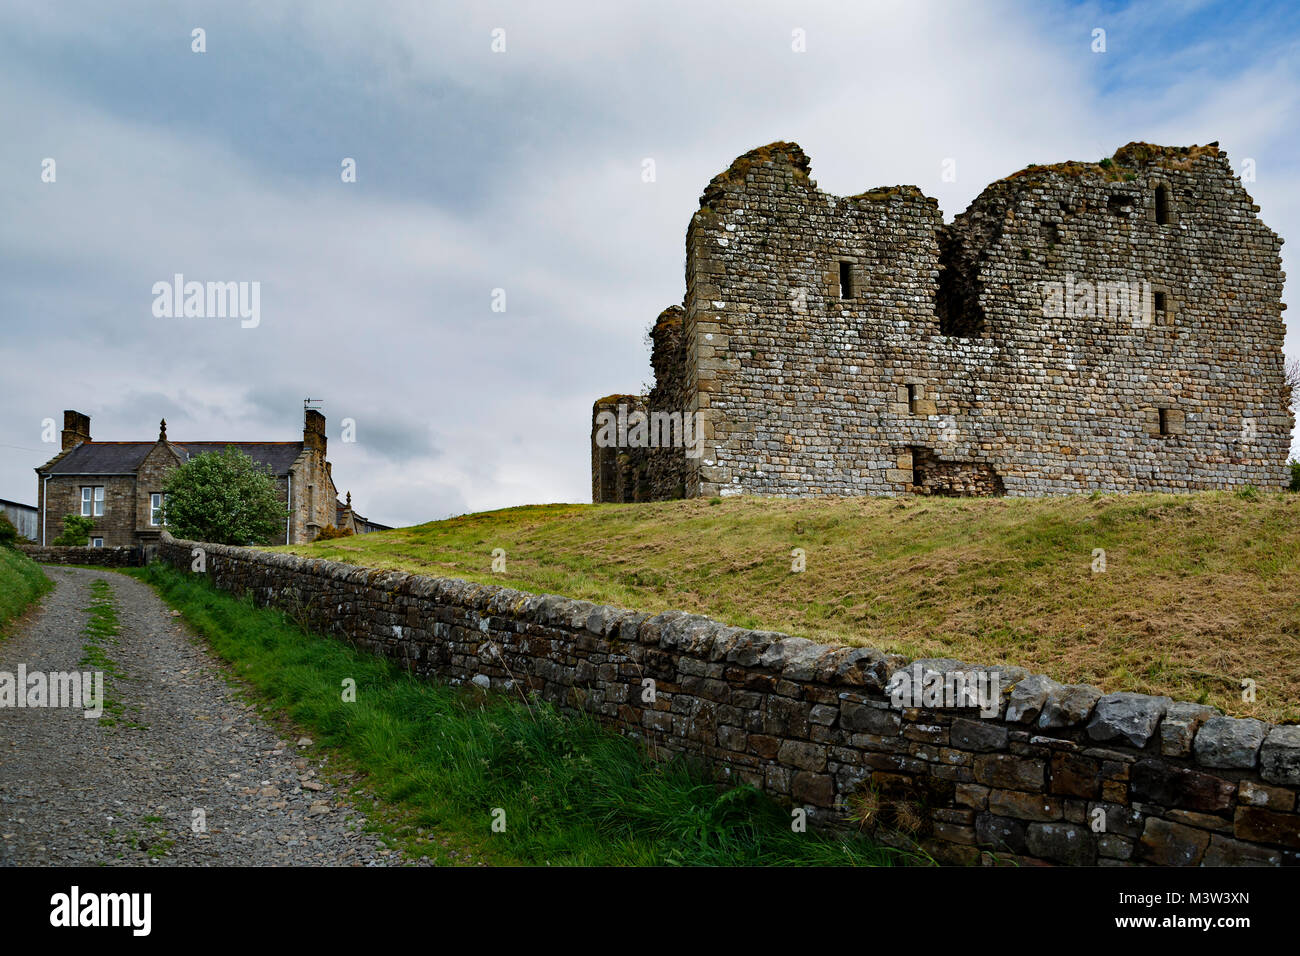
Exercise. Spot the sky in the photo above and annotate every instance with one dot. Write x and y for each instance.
(488, 177)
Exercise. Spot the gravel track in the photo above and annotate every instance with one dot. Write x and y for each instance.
(79, 791)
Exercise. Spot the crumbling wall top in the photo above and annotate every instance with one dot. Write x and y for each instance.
(616, 399)
(1125, 164)
(669, 318)
(792, 154)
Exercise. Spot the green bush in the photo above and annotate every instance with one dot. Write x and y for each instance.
(76, 532)
(1294, 465)
(330, 532)
(8, 533)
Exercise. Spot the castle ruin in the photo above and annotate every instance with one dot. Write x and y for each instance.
(1113, 326)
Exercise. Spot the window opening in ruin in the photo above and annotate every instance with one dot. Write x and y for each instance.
(1162, 205)
(957, 299)
(913, 393)
(846, 280)
(1164, 421)
(1161, 304)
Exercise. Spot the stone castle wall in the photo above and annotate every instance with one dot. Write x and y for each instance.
(655, 470)
(825, 339)
(1053, 774)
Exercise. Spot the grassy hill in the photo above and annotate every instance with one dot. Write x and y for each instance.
(1199, 591)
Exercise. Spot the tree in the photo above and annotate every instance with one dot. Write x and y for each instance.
(8, 533)
(1293, 380)
(225, 498)
(76, 532)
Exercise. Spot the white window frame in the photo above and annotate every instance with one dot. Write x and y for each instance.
(92, 501)
(96, 542)
(156, 501)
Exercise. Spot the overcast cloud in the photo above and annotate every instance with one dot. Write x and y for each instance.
(520, 171)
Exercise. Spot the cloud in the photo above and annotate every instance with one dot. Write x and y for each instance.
(518, 171)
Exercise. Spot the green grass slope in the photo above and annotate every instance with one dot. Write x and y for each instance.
(1199, 592)
(560, 788)
(22, 582)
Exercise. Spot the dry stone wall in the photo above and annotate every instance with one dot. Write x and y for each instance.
(99, 557)
(1053, 774)
(1112, 326)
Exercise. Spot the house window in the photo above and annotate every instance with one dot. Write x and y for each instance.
(92, 501)
(846, 280)
(155, 509)
(1162, 205)
(96, 542)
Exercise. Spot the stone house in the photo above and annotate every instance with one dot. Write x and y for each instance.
(119, 483)
(1112, 326)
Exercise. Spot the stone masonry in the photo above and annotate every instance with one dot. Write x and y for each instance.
(1048, 774)
(1112, 326)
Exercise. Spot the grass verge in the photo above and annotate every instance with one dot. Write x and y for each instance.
(22, 583)
(455, 760)
(101, 632)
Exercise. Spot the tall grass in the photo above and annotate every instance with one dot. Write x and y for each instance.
(22, 582)
(451, 759)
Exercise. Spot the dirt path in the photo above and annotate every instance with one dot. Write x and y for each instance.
(124, 789)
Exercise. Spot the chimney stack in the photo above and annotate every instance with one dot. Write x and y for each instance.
(313, 430)
(76, 429)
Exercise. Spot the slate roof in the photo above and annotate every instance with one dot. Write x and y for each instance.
(124, 457)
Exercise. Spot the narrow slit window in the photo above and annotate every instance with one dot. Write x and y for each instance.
(846, 280)
(1164, 421)
(913, 393)
(1162, 205)
(1162, 304)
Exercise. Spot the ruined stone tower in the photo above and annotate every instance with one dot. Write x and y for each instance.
(1110, 326)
